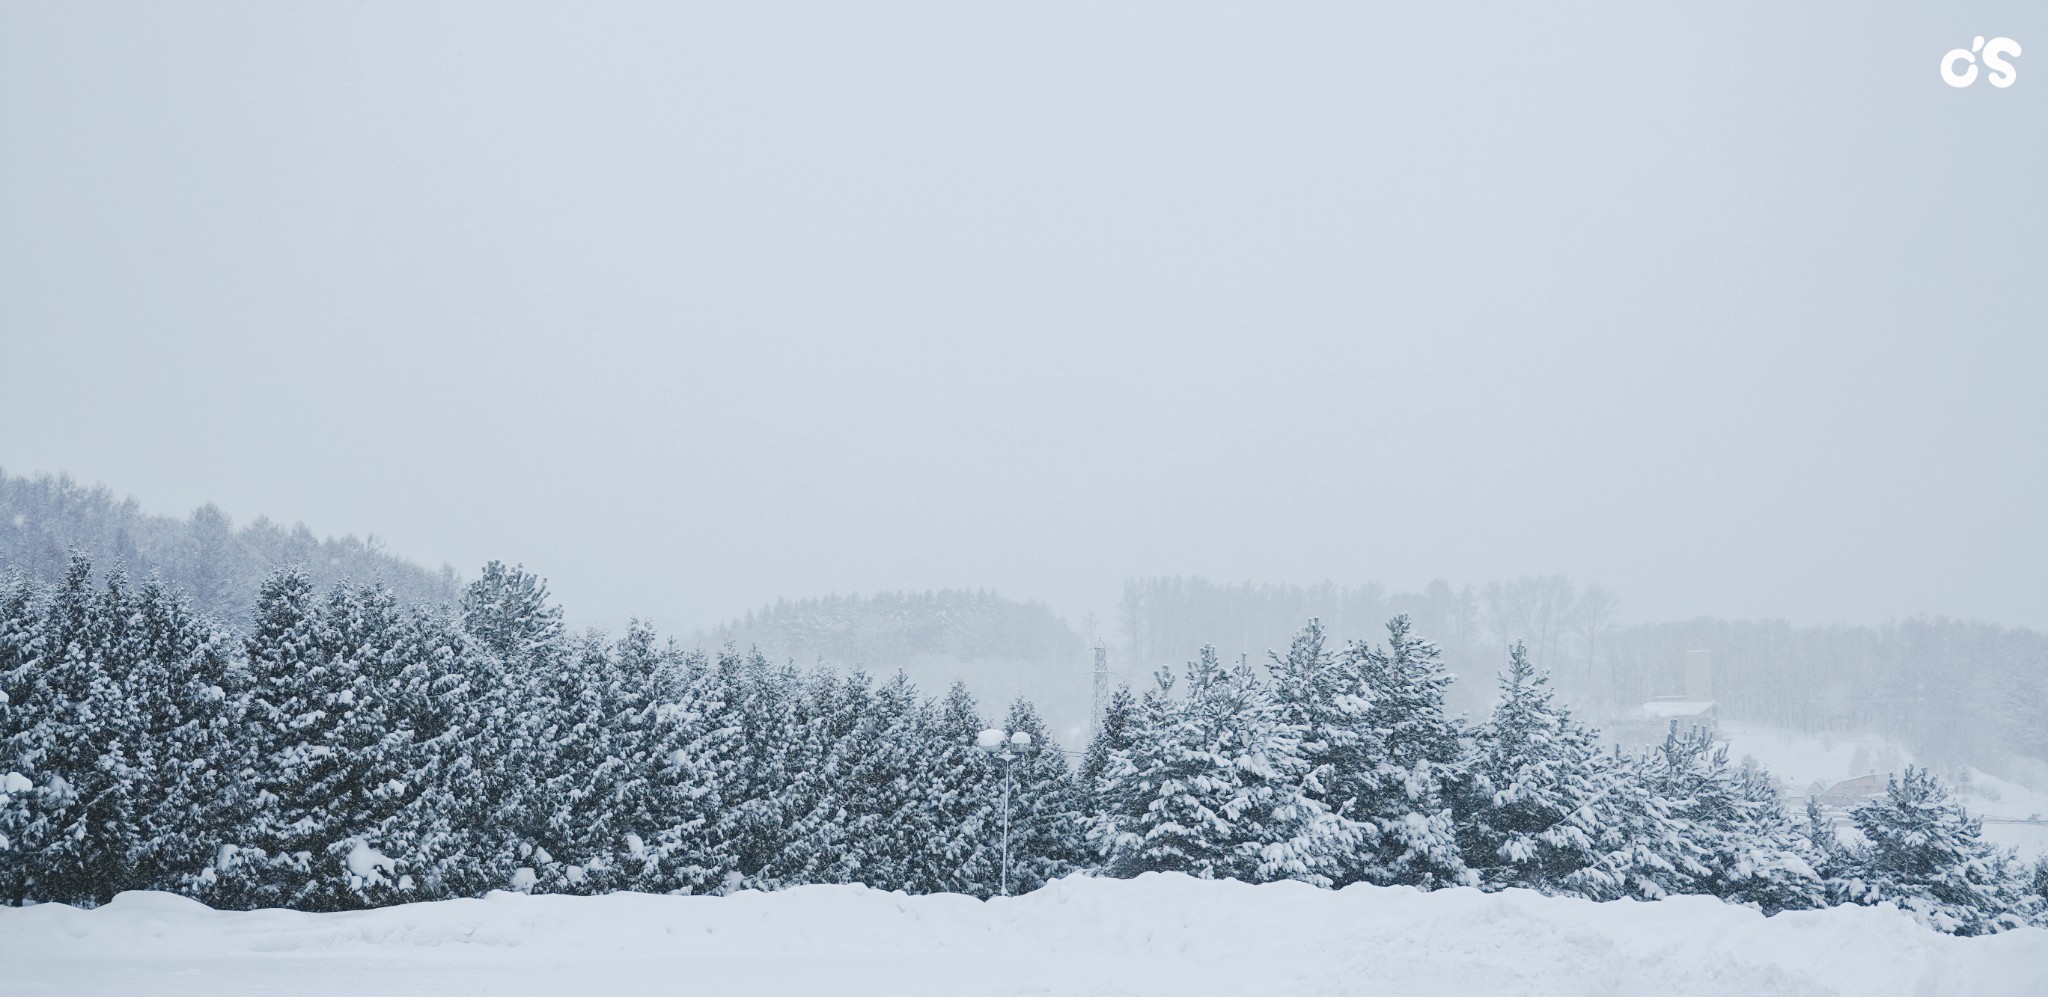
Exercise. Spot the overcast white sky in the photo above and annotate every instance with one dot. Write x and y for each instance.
(1735, 310)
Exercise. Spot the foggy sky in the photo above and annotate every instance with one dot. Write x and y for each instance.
(1735, 311)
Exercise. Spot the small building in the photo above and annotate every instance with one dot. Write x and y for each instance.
(1692, 709)
(1695, 708)
(1854, 792)
(1690, 713)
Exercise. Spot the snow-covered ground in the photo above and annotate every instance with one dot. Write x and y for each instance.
(1167, 935)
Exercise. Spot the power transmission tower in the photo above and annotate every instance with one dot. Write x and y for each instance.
(1101, 684)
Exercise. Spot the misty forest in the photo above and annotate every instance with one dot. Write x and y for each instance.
(337, 744)
(1002, 499)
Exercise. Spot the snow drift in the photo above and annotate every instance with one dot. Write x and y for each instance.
(1158, 934)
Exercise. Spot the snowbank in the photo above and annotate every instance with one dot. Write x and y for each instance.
(1154, 935)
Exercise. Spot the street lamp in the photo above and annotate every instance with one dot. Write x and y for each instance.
(1006, 746)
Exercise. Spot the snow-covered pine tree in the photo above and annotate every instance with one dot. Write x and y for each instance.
(21, 650)
(818, 843)
(1773, 863)
(499, 787)
(298, 698)
(1112, 734)
(2038, 881)
(1131, 829)
(1046, 807)
(1213, 786)
(962, 856)
(384, 665)
(1926, 854)
(1326, 700)
(761, 796)
(1825, 850)
(75, 736)
(631, 721)
(886, 788)
(1526, 815)
(692, 752)
(1411, 764)
(508, 612)
(1634, 836)
(192, 701)
(1738, 842)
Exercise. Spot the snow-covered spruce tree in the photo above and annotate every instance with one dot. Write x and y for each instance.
(1326, 700)
(507, 611)
(1926, 854)
(1527, 817)
(1737, 843)
(837, 716)
(692, 752)
(388, 662)
(1409, 764)
(501, 786)
(887, 789)
(640, 815)
(1825, 849)
(74, 739)
(293, 853)
(966, 783)
(1113, 733)
(2039, 883)
(459, 763)
(572, 848)
(1773, 863)
(1212, 786)
(1637, 846)
(1046, 808)
(20, 651)
(444, 821)
(191, 697)
(763, 789)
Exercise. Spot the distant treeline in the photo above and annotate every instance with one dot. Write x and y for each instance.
(1953, 690)
(889, 628)
(220, 567)
(349, 750)
(1003, 647)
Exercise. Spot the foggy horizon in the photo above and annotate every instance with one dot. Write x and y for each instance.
(688, 311)
(687, 629)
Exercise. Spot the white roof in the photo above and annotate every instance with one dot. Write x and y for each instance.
(1664, 709)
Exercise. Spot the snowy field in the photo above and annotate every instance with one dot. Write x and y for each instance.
(1803, 761)
(1166, 935)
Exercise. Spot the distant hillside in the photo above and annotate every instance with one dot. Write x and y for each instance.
(1001, 647)
(218, 565)
(1954, 691)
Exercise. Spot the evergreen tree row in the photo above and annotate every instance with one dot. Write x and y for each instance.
(348, 751)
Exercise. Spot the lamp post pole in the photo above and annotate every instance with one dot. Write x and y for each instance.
(1005, 745)
(1007, 760)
